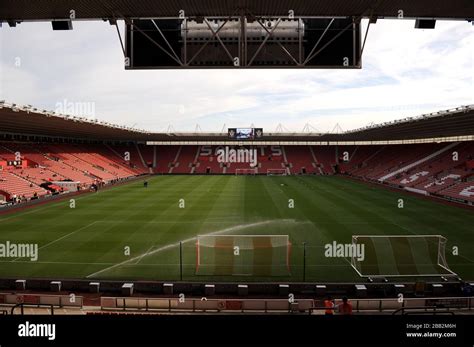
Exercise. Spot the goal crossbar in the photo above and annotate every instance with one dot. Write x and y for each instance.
(243, 255)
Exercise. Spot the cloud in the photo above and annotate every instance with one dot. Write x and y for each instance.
(405, 72)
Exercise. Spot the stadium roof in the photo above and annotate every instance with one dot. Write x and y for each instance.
(26, 120)
(101, 9)
(456, 122)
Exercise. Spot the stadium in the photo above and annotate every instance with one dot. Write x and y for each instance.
(100, 218)
(307, 191)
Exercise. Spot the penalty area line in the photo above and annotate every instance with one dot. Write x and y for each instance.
(62, 237)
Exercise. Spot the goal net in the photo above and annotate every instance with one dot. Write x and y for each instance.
(259, 255)
(246, 171)
(400, 255)
(276, 172)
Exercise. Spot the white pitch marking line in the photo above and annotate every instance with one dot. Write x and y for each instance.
(62, 237)
(16, 214)
(234, 228)
(140, 258)
(220, 221)
(57, 262)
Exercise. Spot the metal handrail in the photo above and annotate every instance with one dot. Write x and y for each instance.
(436, 310)
(22, 305)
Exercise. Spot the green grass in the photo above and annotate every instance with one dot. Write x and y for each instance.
(90, 240)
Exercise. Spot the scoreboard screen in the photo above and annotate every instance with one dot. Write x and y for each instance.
(245, 133)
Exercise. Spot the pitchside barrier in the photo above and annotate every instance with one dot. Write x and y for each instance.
(41, 299)
(401, 256)
(200, 305)
(283, 305)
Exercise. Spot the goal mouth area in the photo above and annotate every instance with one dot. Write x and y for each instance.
(243, 255)
(401, 256)
(277, 172)
(249, 172)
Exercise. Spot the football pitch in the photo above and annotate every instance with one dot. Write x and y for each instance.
(240, 228)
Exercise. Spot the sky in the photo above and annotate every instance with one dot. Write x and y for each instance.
(405, 72)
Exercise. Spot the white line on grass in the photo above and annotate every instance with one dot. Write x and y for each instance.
(56, 262)
(162, 264)
(78, 263)
(53, 203)
(140, 258)
(415, 234)
(62, 237)
(221, 221)
(222, 231)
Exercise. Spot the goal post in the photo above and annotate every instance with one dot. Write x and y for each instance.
(243, 255)
(252, 171)
(400, 256)
(277, 172)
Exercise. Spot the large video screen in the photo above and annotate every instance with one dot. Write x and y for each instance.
(245, 133)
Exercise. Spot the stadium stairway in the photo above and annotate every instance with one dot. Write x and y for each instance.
(142, 160)
(185, 158)
(37, 175)
(6, 153)
(94, 157)
(357, 156)
(365, 164)
(440, 170)
(148, 157)
(114, 158)
(175, 162)
(15, 185)
(299, 159)
(195, 160)
(163, 156)
(418, 162)
(326, 158)
(315, 161)
(463, 191)
(134, 163)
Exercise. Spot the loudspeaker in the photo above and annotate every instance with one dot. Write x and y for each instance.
(62, 25)
(425, 23)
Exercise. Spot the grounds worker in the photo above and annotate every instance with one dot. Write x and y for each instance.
(345, 307)
(329, 305)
